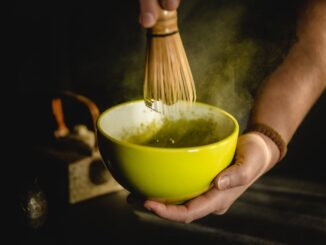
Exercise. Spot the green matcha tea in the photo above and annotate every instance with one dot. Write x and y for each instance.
(176, 133)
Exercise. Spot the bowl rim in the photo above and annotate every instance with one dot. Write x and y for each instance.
(155, 148)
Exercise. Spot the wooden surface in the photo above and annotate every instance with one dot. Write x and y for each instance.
(274, 211)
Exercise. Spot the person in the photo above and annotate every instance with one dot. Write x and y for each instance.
(281, 104)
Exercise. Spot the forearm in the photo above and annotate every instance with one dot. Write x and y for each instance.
(288, 94)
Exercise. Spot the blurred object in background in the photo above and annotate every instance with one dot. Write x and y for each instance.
(87, 176)
(59, 170)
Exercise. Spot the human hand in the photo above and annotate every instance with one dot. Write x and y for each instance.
(149, 10)
(255, 155)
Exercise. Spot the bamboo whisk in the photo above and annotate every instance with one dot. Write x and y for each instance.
(168, 77)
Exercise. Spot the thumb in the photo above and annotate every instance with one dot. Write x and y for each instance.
(252, 158)
(148, 12)
(237, 175)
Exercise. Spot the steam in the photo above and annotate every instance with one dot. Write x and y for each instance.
(222, 61)
(228, 61)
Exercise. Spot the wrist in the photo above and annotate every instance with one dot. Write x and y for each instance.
(272, 139)
(274, 152)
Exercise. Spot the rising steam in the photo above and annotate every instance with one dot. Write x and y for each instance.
(229, 56)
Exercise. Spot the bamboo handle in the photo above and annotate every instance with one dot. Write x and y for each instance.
(166, 23)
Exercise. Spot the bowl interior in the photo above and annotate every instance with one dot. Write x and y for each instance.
(134, 118)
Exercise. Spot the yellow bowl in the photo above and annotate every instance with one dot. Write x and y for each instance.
(169, 175)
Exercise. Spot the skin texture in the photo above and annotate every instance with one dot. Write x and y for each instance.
(149, 10)
(293, 88)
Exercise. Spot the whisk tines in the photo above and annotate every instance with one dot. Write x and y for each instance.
(168, 77)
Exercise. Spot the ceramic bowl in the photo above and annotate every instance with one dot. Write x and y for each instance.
(169, 175)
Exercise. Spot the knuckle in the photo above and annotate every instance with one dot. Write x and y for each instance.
(221, 211)
(244, 178)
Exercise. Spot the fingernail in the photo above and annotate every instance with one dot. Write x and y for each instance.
(149, 209)
(147, 19)
(224, 183)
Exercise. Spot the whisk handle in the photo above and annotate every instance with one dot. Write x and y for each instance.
(166, 23)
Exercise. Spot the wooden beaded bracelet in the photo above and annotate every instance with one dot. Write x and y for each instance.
(272, 134)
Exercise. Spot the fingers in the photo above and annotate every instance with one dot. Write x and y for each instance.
(149, 10)
(213, 201)
(192, 210)
(170, 4)
(252, 159)
(170, 212)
